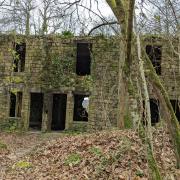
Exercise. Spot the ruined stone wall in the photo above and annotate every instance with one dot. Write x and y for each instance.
(5, 65)
(170, 76)
(101, 85)
(170, 65)
(104, 101)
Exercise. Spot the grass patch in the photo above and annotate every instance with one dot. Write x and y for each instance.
(96, 151)
(124, 145)
(2, 145)
(22, 165)
(73, 159)
(139, 173)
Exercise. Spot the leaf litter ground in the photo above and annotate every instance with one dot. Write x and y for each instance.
(104, 155)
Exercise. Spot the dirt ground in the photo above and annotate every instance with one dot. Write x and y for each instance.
(104, 155)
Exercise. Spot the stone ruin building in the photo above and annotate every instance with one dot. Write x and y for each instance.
(43, 81)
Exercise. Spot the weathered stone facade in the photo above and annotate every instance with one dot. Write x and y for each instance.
(169, 72)
(39, 76)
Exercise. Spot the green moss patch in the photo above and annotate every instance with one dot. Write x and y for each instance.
(22, 165)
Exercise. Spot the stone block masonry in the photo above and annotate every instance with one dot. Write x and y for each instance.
(50, 75)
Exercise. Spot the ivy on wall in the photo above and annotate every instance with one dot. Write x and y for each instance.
(61, 73)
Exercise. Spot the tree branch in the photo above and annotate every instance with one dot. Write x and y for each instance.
(100, 25)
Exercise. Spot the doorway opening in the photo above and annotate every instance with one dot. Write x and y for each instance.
(36, 109)
(59, 112)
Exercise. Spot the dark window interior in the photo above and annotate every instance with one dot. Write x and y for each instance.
(15, 65)
(154, 107)
(36, 109)
(80, 114)
(12, 112)
(176, 108)
(59, 112)
(83, 64)
(19, 63)
(155, 55)
(19, 103)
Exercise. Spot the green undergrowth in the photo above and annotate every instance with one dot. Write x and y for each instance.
(10, 125)
(139, 173)
(73, 159)
(96, 151)
(3, 145)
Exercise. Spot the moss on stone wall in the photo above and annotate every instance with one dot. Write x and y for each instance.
(60, 72)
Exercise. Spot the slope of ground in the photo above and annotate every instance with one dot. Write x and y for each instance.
(104, 155)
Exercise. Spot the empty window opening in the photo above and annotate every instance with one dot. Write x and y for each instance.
(19, 61)
(154, 107)
(80, 113)
(36, 109)
(59, 112)
(12, 105)
(15, 65)
(83, 62)
(15, 104)
(176, 107)
(155, 55)
(19, 104)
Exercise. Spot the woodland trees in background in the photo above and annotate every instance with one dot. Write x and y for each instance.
(79, 17)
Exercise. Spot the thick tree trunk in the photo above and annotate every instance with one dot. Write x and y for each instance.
(122, 90)
(123, 10)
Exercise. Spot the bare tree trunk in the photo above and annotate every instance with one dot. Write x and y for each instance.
(146, 94)
(155, 173)
(27, 24)
(130, 34)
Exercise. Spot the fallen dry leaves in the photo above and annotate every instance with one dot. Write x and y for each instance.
(105, 155)
(164, 153)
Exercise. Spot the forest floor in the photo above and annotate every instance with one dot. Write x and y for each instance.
(104, 155)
